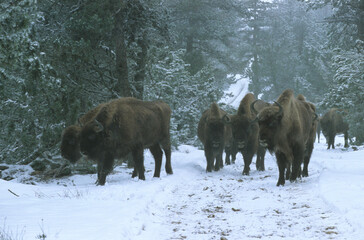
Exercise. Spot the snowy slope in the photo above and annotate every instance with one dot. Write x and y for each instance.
(193, 204)
(236, 91)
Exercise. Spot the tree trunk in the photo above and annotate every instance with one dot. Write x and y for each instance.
(140, 68)
(255, 64)
(123, 86)
(360, 23)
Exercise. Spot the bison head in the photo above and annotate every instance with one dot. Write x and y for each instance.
(91, 138)
(215, 131)
(269, 120)
(70, 143)
(242, 128)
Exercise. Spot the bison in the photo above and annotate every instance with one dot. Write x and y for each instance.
(245, 132)
(284, 128)
(128, 125)
(311, 140)
(214, 132)
(333, 123)
(70, 143)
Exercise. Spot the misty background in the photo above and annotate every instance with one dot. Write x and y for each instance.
(58, 59)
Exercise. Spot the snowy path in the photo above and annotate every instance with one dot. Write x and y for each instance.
(193, 204)
(233, 206)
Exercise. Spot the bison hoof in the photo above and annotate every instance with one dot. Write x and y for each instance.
(280, 183)
(246, 173)
(98, 183)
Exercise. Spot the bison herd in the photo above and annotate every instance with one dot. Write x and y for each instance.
(127, 125)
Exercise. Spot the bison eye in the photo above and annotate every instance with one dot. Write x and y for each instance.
(92, 137)
(272, 124)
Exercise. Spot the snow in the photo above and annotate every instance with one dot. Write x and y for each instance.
(193, 204)
(236, 91)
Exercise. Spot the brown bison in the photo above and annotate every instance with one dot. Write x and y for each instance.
(284, 128)
(333, 123)
(311, 140)
(70, 143)
(128, 125)
(214, 132)
(245, 132)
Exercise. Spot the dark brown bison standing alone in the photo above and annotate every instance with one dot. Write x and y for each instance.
(311, 140)
(70, 143)
(333, 123)
(128, 125)
(214, 132)
(284, 128)
(245, 132)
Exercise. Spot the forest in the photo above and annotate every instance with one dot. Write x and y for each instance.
(59, 59)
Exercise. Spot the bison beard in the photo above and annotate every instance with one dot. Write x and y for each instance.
(245, 133)
(333, 123)
(214, 135)
(128, 125)
(285, 128)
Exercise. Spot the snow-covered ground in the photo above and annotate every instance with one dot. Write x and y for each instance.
(193, 204)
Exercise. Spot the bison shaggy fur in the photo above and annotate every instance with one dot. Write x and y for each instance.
(333, 123)
(128, 125)
(214, 133)
(284, 128)
(245, 132)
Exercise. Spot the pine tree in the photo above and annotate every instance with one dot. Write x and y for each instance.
(187, 94)
(346, 90)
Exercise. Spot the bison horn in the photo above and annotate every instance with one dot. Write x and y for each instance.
(316, 116)
(252, 107)
(280, 108)
(79, 119)
(99, 126)
(254, 120)
(226, 118)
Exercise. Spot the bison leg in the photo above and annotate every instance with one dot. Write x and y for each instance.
(248, 157)
(209, 160)
(260, 158)
(227, 155)
(346, 136)
(168, 152)
(306, 160)
(298, 156)
(288, 170)
(234, 151)
(138, 157)
(157, 154)
(282, 163)
(104, 167)
(331, 141)
(218, 163)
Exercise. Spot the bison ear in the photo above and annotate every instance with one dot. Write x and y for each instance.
(98, 128)
(226, 119)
